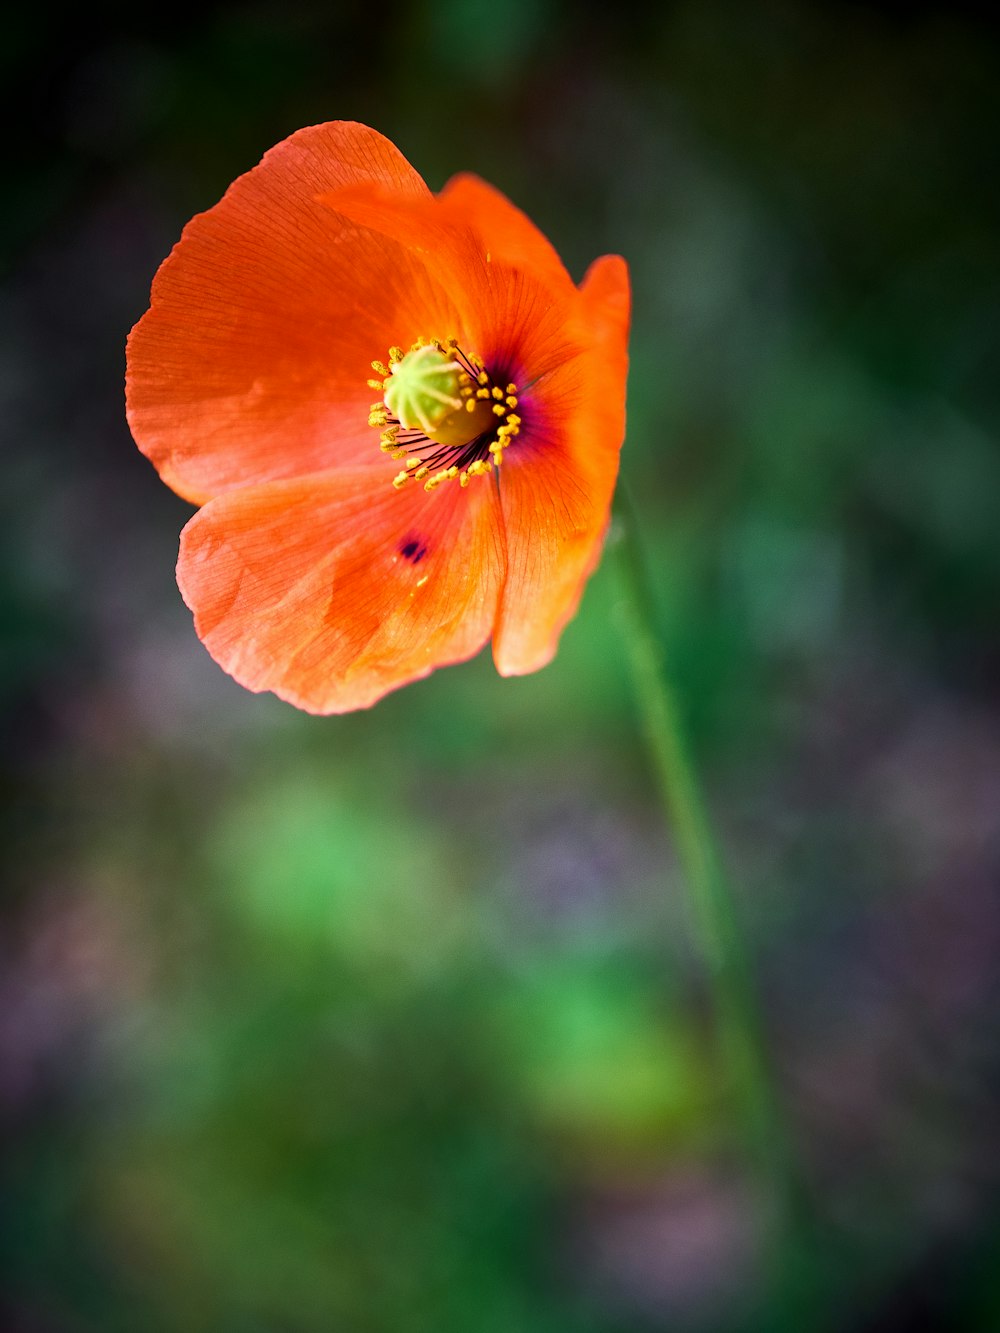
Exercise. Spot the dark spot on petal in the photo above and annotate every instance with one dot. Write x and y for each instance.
(413, 550)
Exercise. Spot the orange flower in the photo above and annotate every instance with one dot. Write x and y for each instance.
(344, 547)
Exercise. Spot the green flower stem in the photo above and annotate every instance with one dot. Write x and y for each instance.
(718, 933)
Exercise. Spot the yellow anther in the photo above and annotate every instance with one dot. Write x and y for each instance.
(430, 394)
(445, 474)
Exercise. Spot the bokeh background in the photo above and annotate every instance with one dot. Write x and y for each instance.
(392, 1023)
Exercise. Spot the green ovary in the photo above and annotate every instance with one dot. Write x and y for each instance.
(425, 392)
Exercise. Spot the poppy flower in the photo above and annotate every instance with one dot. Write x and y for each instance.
(399, 417)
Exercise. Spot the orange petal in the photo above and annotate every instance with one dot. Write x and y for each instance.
(252, 362)
(558, 479)
(501, 293)
(331, 591)
(507, 234)
(605, 288)
(468, 223)
(447, 245)
(522, 328)
(510, 317)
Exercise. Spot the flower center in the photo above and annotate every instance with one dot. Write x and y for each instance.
(442, 411)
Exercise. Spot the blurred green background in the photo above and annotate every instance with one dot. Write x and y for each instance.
(391, 1023)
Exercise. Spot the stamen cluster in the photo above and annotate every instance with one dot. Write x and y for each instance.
(470, 422)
